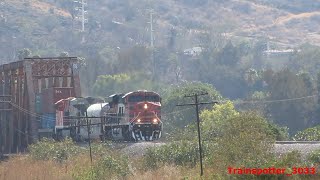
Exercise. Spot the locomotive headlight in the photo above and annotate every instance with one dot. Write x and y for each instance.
(155, 120)
(145, 106)
(139, 120)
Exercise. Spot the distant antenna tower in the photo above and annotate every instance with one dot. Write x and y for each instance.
(268, 50)
(151, 29)
(152, 44)
(80, 16)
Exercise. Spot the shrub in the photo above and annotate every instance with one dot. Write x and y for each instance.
(310, 134)
(314, 157)
(245, 141)
(48, 149)
(181, 153)
(107, 167)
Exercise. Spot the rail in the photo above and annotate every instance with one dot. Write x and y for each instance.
(297, 142)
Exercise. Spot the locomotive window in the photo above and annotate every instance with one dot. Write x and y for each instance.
(136, 98)
(144, 98)
(152, 98)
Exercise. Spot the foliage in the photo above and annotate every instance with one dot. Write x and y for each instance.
(306, 59)
(48, 149)
(309, 134)
(314, 157)
(64, 54)
(24, 53)
(280, 133)
(120, 83)
(212, 121)
(182, 153)
(245, 137)
(109, 166)
(176, 118)
(294, 114)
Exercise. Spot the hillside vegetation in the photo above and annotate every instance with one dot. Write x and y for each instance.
(47, 25)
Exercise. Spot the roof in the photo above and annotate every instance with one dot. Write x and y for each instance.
(140, 91)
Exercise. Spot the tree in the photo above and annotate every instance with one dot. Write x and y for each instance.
(172, 38)
(244, 139)
(212, 121)
(309, 134)
(246, 136)
(296, 114)
(24, 53)
(251, 76)
(106, 85)
(229, 55)
(110, 84)
(306, 59)
(64, 54)
(135, 59)
(175, 67)
(177, 118)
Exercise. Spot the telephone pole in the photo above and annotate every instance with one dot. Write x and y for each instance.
(89, 139)
(197, 103)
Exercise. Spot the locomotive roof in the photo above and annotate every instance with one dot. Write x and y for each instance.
(140, 91)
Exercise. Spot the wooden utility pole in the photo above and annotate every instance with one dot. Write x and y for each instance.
(198, 121)
(89, 140)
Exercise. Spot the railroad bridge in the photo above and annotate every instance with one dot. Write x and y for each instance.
(22, 84)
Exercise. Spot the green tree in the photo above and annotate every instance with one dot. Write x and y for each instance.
(110, 84)
(178, 118)
(309, 134)
(212, 121)
(175, 67)
(246, 141)
(229, 55)
(121, 83)
(295, 114)
(306, 59)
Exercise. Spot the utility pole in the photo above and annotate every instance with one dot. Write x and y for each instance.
(198, 121)
(89, 140)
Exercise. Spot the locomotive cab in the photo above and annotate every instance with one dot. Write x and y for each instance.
(144, 115)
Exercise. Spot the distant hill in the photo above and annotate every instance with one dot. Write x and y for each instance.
(48, 26)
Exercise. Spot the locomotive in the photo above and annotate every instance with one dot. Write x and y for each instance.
(133, 116)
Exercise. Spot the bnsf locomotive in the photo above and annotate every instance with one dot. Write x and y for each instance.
(132, 116)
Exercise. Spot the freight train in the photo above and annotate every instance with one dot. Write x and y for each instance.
(133, 116)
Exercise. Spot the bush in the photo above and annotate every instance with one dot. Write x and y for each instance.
(310, 134)
(314, 157)
(107, 167)
(181, 153)
(48, 149)
(280, 133)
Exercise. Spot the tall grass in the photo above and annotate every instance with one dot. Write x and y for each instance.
(24, 168)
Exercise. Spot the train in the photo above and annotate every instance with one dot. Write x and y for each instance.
(133, 116)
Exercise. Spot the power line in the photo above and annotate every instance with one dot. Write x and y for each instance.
(276, 100)
(174, 112)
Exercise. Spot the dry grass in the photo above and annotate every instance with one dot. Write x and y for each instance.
(166, 172)
(23, 168)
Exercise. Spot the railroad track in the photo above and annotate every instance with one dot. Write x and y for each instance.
(297, 142)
